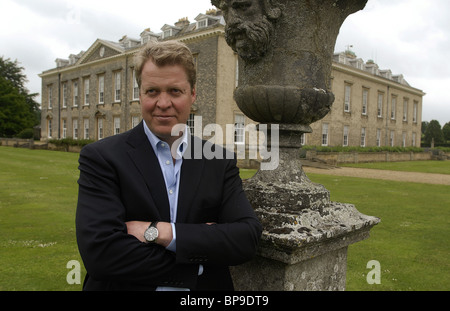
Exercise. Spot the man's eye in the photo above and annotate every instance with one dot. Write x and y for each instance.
(152, 92)
(176, 91)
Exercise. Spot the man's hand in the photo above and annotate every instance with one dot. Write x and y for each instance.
(137, 229)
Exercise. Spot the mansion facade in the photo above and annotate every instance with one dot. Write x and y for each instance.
(94, 94)
(372, 108)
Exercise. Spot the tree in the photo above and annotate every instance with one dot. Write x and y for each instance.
(434, 131)
(18, 109)
(15, 115)
(424, 126)
(446, 131)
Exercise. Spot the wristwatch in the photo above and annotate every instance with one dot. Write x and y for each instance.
(151, 234)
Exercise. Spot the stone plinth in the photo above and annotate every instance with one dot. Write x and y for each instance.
(304, 252)
(305, 235)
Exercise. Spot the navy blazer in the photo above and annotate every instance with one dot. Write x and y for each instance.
(120, 180)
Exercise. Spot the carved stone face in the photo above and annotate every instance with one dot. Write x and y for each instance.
(248, 30)
(286, 48)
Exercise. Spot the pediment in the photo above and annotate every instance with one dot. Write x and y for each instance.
(100, 114)
(99, 50)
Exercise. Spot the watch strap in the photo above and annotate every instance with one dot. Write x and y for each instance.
(153, 224)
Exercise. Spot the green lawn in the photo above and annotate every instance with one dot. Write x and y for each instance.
(37, 219)
(437, 167)
(37, 230)
(411, 242)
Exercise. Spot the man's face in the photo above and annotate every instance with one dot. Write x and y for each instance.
(248, 30)
(166, 98)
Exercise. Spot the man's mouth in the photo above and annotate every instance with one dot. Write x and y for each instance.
(163, 117)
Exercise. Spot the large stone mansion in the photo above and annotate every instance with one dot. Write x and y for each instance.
(93, 94)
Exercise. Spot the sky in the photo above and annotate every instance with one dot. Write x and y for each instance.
(409, 37)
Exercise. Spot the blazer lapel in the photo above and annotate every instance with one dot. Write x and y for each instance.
(191, 173)
(145, 160)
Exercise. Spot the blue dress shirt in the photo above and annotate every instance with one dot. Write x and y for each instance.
(170, 162)
(170, 166)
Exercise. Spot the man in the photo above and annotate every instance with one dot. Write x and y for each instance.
(150, 214)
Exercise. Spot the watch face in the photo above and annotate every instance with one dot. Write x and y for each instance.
(151, 234)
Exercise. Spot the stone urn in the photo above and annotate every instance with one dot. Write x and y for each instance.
(285, 50)
(286, 47)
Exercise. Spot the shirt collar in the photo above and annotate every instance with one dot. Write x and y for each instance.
(155, 141)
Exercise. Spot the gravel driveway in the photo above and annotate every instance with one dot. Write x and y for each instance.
(427, 178)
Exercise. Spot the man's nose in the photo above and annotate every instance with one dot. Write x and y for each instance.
(164, 100)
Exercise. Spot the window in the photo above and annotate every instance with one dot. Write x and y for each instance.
(50, 128)
(363, 137)
(50, 96)
(86, 91)
(413, 139)
(101, 89)
(348, 91)
(167, 33)
(392, 139)
(75, 94)
(365, 98)
(239, 129)
(86, 128)
(202, 24)
(100, 128)
(75, 128)
(415, 108)
(134, 121)
(191, 123)
(380, 105)
(405, 110)
(404, 139)
(135, 87)
(346, 130)
(116, 125)
(393, 107)
(378, 138)
(64, 128)
(325, 134)
(117, 87)
(64, 95)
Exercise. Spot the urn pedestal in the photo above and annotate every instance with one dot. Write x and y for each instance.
(285, 50)
(305, 235)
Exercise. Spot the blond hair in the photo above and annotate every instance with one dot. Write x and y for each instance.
(166, 53)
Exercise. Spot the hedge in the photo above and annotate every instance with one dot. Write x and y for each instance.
(362, 149)
(65, 142)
